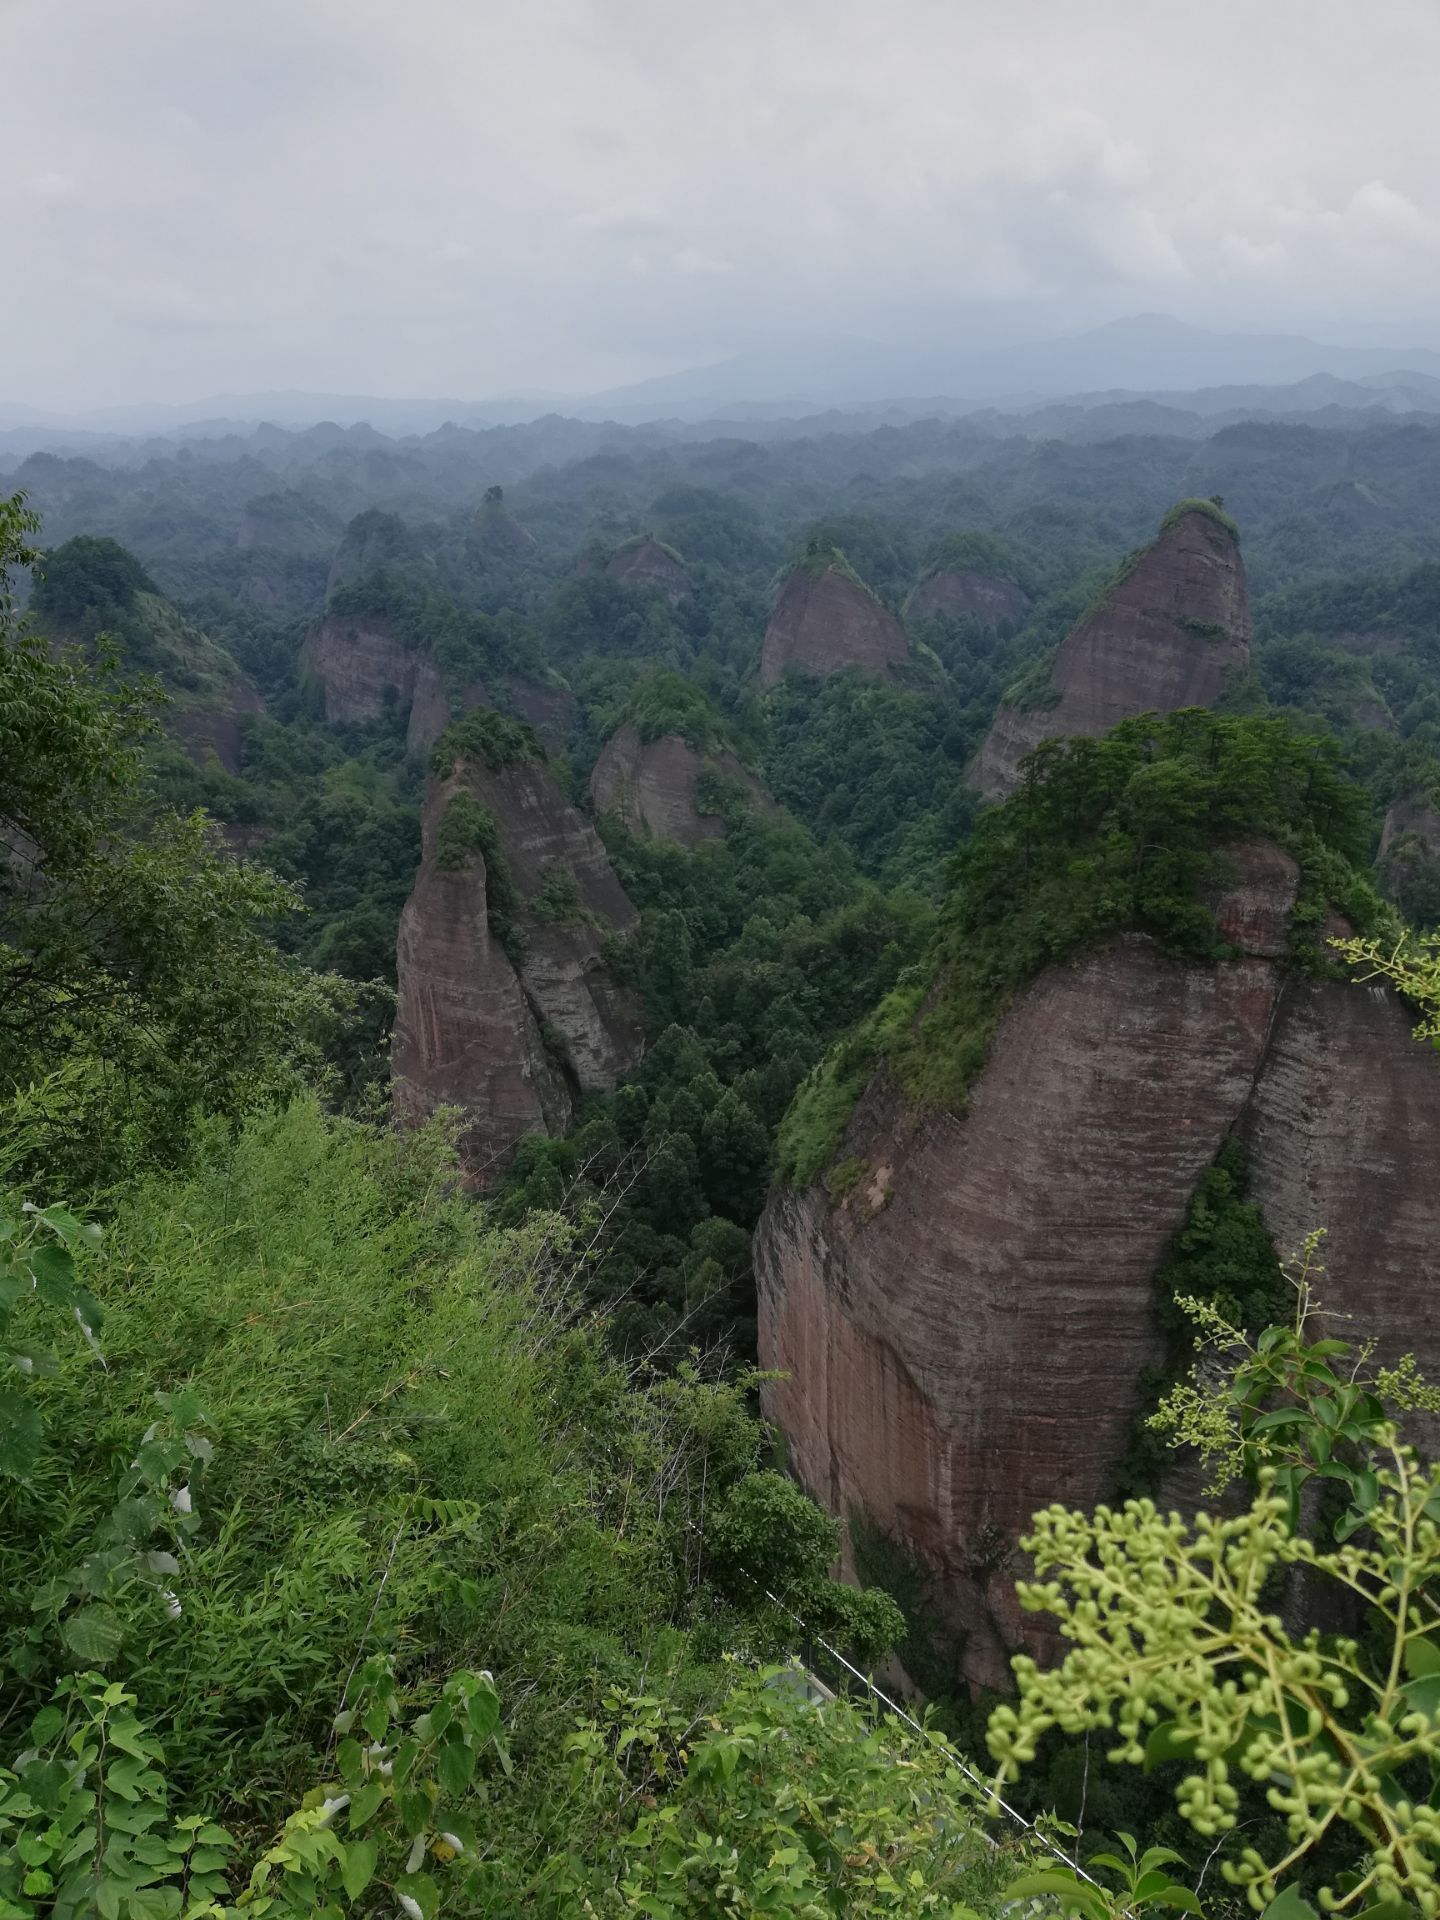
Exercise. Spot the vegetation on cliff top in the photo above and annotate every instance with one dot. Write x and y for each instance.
(1213, 510)
(484, 734)
(1128, 831)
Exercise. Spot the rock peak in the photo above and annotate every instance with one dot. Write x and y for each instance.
(1169, 630)
(827, 619)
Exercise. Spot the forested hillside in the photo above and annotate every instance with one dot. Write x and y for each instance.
(631, 1054)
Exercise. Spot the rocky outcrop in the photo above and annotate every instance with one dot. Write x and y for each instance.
(361, 664)
(509, 1034)
(824, 621)
(651, 784)
(961, 1340)
(1167, 634)
(645, 563)
(951, 593)
(641, 562)
(465, 1035)
(435, 703)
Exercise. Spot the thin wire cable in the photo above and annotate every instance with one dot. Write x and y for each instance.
(987, 1787)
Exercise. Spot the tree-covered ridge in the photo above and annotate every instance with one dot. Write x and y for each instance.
(89, 587)
(1124, 832)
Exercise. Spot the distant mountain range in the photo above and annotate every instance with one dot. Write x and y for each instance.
(1162, 362)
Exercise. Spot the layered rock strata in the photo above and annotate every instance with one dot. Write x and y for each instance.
(825, 621)
(362, 665)
(435, 703)
(510, 1034)
(1168, 634)
(652, 785)
(962, 1339)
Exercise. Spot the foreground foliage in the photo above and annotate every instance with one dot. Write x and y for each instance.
(1178, 1651)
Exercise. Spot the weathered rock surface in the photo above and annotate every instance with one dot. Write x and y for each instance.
(651, 785)
(465, 1035)
(470, 1019)
(1344, 1130)
(963, 1337)
(645, 563)
(433, 705)
(953, 592)
(826, 621)
(1165, 636)
(361, 664)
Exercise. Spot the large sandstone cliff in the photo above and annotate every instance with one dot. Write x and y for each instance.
(1166, 635)
(509, 1035)
(652, 785)
(435, 702)
(361, 663)
(953, 592)
(962, 1339)
(824, 621)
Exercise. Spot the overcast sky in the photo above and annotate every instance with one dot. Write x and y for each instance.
(464, 197)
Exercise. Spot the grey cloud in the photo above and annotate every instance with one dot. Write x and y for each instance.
(459, 197)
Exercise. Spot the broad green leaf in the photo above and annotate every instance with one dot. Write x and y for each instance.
(422, 1890)
(53, 1271)
(357, 1869)
(454, 1767)
(1422, 1658)
(95, 1634)
(364, 1803)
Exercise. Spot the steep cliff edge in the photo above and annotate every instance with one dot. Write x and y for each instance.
(439, 697)
(652, 785)
(362, 665)
(507, 1027)
(465, 1035)
(1167, 634)
(826, 620)
(964, 1335)
(954, 592)
(963, 1309)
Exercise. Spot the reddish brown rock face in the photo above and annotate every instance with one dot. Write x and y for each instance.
(550, 710)
(361, 664)
(468, 1019)
(464, 1033)
(825, 622)
(963, 1339)
(651, 785)
(1168, 635)
(647, 564)
(953, 592)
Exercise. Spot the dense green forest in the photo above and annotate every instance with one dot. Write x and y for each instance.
(372, 1547)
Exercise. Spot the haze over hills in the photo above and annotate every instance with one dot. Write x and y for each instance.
(1150, 355)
